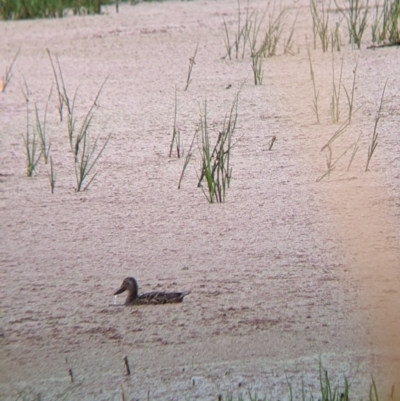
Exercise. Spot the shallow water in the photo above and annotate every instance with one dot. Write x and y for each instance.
(286, 271)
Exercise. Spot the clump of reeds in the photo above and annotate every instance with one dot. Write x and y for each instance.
(320, 19)
(386, 24)
(87, 152)
(255, 29)
(350, 95)
(41, 129)
(227, 42)
(216, 170)
(52, 176)
(176, 137)
(288, 44)
(8, 73)
(37, 144)
(258, 55)
(257, 67)
(62, 98)
(27, 9)
(245, 34)
(336, 91)
(316, 93)
(353, 154)
(374, 139)
(188, 157)
(337, 134)
(336, 39)
(378, 25)
(327, 391)
(330, 161)
(192, 62)
(393, 25)
(335, 112)
(355, 12)
(31, 143)
(274, 32)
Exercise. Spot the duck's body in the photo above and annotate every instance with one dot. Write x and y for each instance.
(151, 298)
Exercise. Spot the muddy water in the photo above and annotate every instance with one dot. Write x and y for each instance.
(287, 271)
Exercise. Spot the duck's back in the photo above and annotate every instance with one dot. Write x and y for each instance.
(157, 297)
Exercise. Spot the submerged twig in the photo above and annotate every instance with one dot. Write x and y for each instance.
(128, 370)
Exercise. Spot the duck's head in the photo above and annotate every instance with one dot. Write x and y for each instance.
(129, 284)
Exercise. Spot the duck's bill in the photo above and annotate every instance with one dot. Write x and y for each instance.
(122, 289)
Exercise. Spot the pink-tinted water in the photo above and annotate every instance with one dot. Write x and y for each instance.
(286, 271)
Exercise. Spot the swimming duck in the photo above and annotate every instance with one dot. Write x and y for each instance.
(151, 298)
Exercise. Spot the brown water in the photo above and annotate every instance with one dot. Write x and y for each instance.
(286, 271)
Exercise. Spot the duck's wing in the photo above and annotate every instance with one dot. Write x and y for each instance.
(161, 297)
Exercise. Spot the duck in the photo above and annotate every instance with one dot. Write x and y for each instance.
(150, 298)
